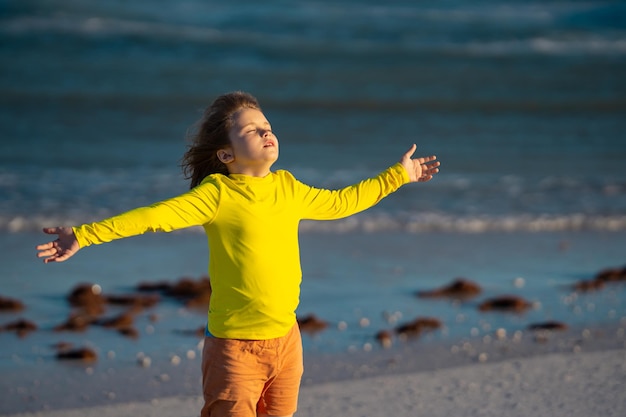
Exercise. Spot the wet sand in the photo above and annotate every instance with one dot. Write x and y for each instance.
(580, 372)
(560, 384)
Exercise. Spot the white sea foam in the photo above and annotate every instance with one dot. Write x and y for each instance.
(387, 223)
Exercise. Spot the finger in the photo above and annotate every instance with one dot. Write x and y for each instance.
(431, 171)
(411, 151)
(432, 165)
(48, 252)
(45, 246)
(50, 259)
(58, 257)
(55, 257)
(426, 159)
(51, 230)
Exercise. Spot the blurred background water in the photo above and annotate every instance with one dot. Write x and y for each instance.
(522, 101)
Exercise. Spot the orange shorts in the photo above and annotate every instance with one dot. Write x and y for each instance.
(241, 378)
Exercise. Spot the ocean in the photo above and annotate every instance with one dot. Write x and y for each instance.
(523, 102)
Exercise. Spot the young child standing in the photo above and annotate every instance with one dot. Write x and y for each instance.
(252, 357)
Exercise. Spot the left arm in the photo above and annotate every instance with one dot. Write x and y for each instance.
(321, 204)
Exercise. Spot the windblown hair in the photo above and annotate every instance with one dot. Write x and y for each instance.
(211, 134)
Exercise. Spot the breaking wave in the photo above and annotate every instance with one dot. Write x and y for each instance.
(383, 223)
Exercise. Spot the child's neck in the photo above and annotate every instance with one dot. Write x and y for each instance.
(256, 171)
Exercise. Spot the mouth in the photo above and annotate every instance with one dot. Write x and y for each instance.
(269, 144)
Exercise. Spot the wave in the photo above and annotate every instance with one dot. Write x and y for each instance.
(471, 224)
(353, 41)
(348, 13)
(426, 223)
(590, 45)
(106, 27)
(99, 21)
(130, 100)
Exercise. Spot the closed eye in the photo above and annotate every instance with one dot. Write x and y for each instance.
(261, 131)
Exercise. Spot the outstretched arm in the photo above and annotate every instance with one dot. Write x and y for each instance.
(322, 204)
(419, 169)
(193, 208)
(61, 249)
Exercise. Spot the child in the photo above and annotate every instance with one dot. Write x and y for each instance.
(252, 357)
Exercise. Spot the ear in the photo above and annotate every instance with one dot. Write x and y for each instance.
(225, 156)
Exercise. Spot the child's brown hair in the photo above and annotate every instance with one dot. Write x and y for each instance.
(211, 135)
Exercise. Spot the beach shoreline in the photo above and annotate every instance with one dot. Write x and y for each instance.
(564, 383)
(32, 380)
(63, 389)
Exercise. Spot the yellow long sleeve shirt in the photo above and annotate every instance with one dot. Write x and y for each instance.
(252, 228)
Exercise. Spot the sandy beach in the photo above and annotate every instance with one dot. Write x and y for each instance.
(588, 384)
(497, 367)
(578, 373)
(560, 384)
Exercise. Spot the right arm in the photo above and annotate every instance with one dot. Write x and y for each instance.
(196, 207)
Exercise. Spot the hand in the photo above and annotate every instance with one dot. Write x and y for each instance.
(61, 249)
(419, 169)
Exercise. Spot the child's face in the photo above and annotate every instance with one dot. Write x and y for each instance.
(254, 148)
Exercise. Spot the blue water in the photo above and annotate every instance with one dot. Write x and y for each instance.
(523, 103)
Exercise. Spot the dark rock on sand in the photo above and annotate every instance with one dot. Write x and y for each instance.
(129, 332)
(418, 326)
(201, 301)
(133, 300)
(161, 286)
(542, 331)
(311, 324)
(88, 297)
(460, 288)
(507, 303)
(611, 275)
(385, 338)
(606, 276)
(121, 321)
(80, 354)
(21, 327)
(76, 322)
(10, 304)
(187, 288)
(588, 285)
(193, 293)
(548, 325)
(83, 294)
